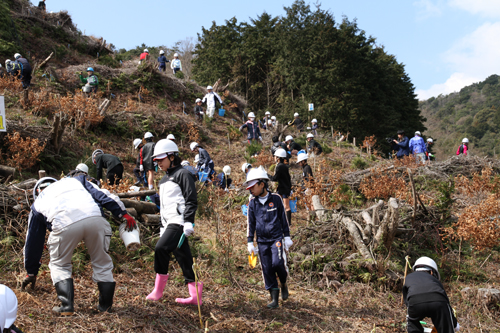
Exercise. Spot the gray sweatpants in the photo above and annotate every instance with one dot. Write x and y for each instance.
(96, 233)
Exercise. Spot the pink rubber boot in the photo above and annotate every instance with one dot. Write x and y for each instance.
(160, 282)
(192, 293)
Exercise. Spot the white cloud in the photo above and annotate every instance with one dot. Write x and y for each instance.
(473, 58)
(427, 8)
(488, 8)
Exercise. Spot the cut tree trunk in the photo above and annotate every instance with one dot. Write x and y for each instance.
(140, 206)
(6, 171)
(136, 194)
(150, 219)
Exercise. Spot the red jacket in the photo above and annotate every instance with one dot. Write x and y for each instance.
(464, 149)
(143, 56)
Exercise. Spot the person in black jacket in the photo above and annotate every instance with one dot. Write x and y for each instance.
(293, 147)
(297, 122)
(424, 296)
(162, 61)
(41, 5)
(112, 164)
(147, 165)
(282, 176)
(24, 71)
(139, 175)
(198, 110)
(313, 145)
(307, 173)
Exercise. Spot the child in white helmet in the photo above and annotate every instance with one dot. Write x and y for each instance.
(162, 61)
(297, 122)
(314, 127)
(223, 179)
(252, 128)
(139, 174)
(176, 65)
(464, 147)
(198, 109)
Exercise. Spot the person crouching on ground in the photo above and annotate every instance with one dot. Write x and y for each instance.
(267, 220)
(424, 296)
(178, 204)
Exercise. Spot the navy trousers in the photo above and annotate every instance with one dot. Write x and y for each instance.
(273, 262)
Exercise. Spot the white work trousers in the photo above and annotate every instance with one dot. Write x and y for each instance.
(210, 111)
(96, 233)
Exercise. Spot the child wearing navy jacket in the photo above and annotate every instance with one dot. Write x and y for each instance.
(267, 219)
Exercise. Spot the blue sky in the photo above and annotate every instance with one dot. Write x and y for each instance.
(444, 44)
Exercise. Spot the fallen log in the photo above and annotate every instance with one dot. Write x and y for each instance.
(132, 212)
(25, 184)
(141, 207)
(136, 194)
(6, 171)
(150, 219)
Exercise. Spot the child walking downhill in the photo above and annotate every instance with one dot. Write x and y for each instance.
(178, 204)
(267, 220)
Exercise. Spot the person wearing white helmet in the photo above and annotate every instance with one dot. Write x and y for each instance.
(139, 175)
(162, 62)
(83, 169)
(268, 224)
(464, 147)
(265, 121)
(205, 163)
(144, 56)
(91, 81)
(428, 147)
(147, 165)
(198, 109)
(8, 305)
(424, 296)
(417, 147)
(186, 165)
(212, 98)
(23, 70)
(297, 122)
(307, 173)
(314, 127)
(177, 211)
(176, 65)
(253, 130)
(171, 137)
(282, 176)
(112, 164)
(223, 179)
(72, 209)
(293, 147)
(313, 146)
(245, 167)
(9, 67)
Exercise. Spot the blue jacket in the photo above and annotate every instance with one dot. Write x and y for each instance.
(62, 211)
(402, 147)
(253, 130)
(268, 221)
(222, 181)
(417, 145)
(162, 60)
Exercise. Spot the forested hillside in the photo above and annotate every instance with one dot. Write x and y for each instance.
(474, 113)
(305, 56)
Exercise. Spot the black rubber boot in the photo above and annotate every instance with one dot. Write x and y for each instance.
(289, 217)
(275, 296)
(106, 293)
(284, 291)
(66, 293)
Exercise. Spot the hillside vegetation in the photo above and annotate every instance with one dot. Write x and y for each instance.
(473, 112)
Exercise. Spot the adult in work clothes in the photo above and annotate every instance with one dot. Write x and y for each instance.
(112, 164)
(72, 210)
(211, 98)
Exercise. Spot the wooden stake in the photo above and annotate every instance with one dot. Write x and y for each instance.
(41, 174)
(197, 296)
(404, 280)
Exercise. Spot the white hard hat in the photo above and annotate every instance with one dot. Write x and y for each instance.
(137, 142)
(146, 50)
(209, 87)
(148, 135)
(2, 318)
(7, 61)
(273, 118)
(295, 114)
(95, 153)
(314, 121)
(17, 55)
(198, 100)
(196, 158)
(176, 54)
(227, 170)
(301, 157)
(185, 163)
(418, 133)
(162, 52)
(163, 148)
(280, 153)
(245, 166)
(426, 264)
(8, 300)
(171, 137)
(255, 175)
(82, 167)
(288, 138)
(310, 135)
(193, 145)
(268, 113)
(465, 140)
(41, 184)
(251, 115)
(430, 140)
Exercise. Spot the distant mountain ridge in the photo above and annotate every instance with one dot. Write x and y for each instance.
(473, 113)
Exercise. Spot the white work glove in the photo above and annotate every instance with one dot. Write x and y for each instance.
(252, 248)
(458, 327)
(141, 167)
(288, 243)
(260, 138)
(188, 228)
